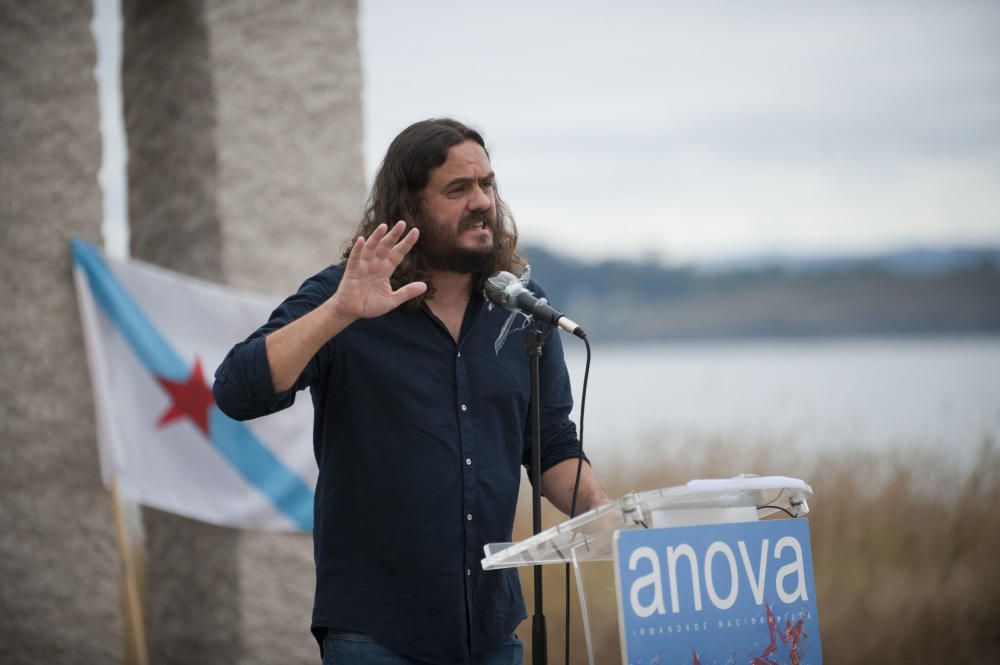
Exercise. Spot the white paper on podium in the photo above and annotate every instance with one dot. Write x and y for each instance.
(589, 537)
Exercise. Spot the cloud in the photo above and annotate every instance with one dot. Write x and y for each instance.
(707, 127)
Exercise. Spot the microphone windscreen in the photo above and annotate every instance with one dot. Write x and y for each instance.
(502, 288)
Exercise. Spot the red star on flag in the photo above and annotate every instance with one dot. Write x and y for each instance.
(193, 399)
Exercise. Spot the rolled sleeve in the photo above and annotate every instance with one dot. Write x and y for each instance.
(243, 387)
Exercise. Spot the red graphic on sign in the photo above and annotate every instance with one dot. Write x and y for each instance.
(192, 399)
(792, 635)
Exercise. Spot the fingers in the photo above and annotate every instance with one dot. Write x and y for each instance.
(354, 257)
(362, 250)
(371, 244)
(382, 244)
(400, 249)
(408, 292)
(390, 239)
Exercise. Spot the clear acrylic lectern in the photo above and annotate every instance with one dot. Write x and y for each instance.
(590, 536)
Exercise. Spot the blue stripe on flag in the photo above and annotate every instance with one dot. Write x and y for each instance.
(146, 341)
(233, 439)
(259, 466)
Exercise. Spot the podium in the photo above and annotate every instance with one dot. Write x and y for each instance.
(594, 536)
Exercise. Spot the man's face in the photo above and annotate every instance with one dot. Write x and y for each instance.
(458, 217)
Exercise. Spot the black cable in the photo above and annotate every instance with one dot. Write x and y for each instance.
(583, 409)
(784, 510)
(576, 483)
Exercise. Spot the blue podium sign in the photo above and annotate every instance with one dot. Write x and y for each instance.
(719, 593)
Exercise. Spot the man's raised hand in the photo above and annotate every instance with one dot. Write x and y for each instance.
(365, 291)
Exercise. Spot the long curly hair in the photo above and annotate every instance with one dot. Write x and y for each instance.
(397, 193)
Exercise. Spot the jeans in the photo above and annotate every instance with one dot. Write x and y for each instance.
(356, 649)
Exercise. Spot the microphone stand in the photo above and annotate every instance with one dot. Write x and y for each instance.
(534, 341)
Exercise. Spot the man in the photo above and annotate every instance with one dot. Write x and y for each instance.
(421, 425)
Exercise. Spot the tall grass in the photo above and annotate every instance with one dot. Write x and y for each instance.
(906, 551)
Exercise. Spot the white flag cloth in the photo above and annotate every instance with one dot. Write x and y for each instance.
(154, 338)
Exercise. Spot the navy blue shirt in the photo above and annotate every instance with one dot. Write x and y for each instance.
(419, 443)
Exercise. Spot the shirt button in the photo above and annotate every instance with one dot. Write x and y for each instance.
(469, 517)
(468, 571)
(459, 354)
(465, 408)
(468, 461)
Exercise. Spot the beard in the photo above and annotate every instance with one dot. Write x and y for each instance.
(440, 248)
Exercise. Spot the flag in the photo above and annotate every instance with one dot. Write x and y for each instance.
(154, 338)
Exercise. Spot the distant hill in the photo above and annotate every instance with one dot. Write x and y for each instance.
(916, 260)
(918, 291)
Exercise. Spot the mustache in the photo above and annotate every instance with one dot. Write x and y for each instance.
(476, 217)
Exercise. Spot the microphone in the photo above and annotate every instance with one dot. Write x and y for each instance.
(506, 290)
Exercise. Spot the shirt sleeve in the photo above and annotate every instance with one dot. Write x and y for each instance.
(559, 436)
(243, 387)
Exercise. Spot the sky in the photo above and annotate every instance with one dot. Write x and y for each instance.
(106, 27)
(687, 131)
(701, 130)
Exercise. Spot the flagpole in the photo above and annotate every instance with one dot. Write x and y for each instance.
(135, 631)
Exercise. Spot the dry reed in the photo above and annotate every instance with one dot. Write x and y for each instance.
(906, 552)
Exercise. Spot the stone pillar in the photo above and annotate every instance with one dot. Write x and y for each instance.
(59, 566)
(290, 169)
(192, 589)
(244, 132)
(290, 192)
